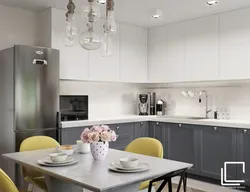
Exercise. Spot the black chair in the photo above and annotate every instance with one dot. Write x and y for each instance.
(167, 179)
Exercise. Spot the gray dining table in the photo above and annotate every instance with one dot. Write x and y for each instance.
(94, 175)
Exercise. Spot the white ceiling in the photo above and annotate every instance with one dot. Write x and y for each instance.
(138, 12)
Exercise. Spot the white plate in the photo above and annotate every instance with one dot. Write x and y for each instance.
(42, 162)
(139, 166)
(113, 167)
(68, 160)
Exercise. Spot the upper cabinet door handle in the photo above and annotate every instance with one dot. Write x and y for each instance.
(245, 131)
(215, 128)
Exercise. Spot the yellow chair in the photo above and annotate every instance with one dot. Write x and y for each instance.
(36, 143)
(146, 146)
(6, 184)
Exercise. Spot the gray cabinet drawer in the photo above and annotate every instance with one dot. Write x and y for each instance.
(141, 129)
(69, 136)
(124, 128)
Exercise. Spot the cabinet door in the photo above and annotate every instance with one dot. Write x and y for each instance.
(69, 136)
(234, 44)
(104, 68)
(141, 129)
(201, 49)
(157, 54)
(175, 52)
(182, 143)
(243, 150)
(217, 145)
(133, 53)
(73, 60)
(157, 131)
(125, 132)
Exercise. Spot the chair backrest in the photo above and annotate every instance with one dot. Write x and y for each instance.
(146, 146)
(38, 142)
(6, 184)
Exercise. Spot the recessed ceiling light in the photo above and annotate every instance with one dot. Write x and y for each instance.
(157, 14)
(102, 1)
(211, 2)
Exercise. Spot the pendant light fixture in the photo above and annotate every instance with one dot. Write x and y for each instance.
(70, 30)
(90, 40)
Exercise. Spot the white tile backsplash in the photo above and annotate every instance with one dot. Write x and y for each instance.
(236, 98)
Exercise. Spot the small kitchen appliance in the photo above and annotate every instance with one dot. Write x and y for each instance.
(160, 108)
(152, 103)
(143, 104)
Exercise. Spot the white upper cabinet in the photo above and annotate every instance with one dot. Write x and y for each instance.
(175, 52)
(105, 68)
(73, 60)
(201, 49)
(157, 54)
(234, 45)
(133, 53)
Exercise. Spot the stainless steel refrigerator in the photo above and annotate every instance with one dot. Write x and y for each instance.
(29, 97)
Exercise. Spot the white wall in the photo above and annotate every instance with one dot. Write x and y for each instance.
(237, 98)
(105, 99)
(17, 26)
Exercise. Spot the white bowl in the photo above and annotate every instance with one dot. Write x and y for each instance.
(129, 162)
(67, 149)
(58, 157)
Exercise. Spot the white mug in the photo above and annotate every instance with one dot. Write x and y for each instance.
(83, 147)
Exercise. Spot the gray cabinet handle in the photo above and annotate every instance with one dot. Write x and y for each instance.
(180, 125)
(117, 128)
(157, 123)
(215, 128)
(245, 131)
(141, 123)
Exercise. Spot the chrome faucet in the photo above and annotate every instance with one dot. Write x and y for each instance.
(205, 93)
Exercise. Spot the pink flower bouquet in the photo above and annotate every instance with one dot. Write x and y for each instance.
(98, 133)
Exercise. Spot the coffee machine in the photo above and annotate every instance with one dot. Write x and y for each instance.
(143, 104)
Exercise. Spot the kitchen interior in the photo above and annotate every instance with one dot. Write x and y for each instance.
(177, 71)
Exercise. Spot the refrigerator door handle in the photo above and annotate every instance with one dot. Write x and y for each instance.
(34, 130)
(40, 62)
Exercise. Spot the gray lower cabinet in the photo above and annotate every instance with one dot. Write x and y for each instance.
(243, 153)
(181, 144)
(69, 136)
(125, 132)
(216, 146)
(157, 130)
(141, 129)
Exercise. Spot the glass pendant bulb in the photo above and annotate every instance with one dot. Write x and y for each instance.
(90, 40)
(91, 12)
(70, 31)
(110, 25)
(107, 45)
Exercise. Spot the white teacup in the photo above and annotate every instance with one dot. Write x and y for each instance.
(83, 147)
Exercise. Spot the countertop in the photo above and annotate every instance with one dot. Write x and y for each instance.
(167, 119)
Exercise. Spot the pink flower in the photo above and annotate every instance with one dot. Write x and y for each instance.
(84, 135)
(113, 136)
(95, 137)
(105, 136)
(105, 127)
(97, 128)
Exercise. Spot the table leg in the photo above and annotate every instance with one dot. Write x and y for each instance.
(57, 185)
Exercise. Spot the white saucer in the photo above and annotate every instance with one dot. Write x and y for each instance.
(144, 167)
(42, 162)
(119, 166)
(68, 160)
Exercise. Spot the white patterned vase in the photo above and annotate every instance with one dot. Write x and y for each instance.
(99, 150)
